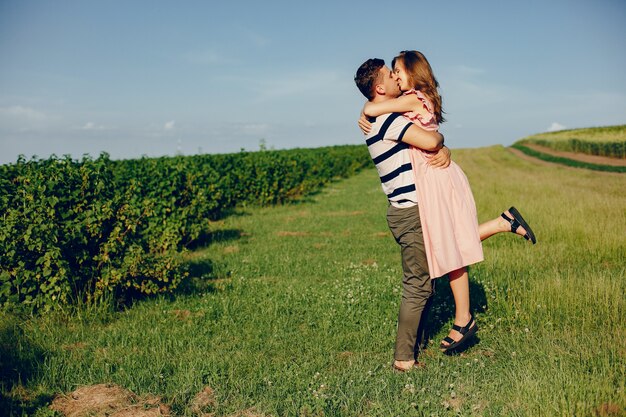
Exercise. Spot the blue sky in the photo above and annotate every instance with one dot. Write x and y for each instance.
(159, 78)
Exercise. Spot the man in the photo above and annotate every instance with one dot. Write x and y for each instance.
(388, 142)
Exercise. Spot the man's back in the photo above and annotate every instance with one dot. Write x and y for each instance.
(392, 159)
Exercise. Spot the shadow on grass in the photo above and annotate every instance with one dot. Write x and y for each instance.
(203, 278)
(205, 275)
(308, 198)
(19, 361)
(441, 313)
(207, 238)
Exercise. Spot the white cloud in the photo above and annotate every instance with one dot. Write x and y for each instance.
(90, 126)
(169, 125)
(21, 112)
(555, 126)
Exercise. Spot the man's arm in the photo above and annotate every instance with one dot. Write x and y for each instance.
(428, 140)
(399, 129)
(441, 159)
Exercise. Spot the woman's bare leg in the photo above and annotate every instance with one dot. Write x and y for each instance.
(459, 284)
(459, 279)
(497, 225)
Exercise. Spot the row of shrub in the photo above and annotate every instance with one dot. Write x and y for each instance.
(567, 161)
(610, 149)
(82, 229)
(603, 141)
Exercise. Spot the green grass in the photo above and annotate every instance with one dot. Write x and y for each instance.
(292, 311)
(604, 141)
(567, 161)
(594, 134)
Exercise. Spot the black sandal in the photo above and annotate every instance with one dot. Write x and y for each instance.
(518, 221)
(467, 331)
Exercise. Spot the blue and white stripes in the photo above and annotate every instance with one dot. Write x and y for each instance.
(392, 159)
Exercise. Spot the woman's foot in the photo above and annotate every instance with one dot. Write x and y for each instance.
(459, 335)
(511, 220)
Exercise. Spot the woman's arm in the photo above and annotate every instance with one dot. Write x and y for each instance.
(401, 104)
(364, 124)
(441, 159)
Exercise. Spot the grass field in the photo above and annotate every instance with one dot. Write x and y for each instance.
(593, 134)
(291, 310)
(609, 141)
(567, 161)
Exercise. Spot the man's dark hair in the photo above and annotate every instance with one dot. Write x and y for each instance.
(367, 76)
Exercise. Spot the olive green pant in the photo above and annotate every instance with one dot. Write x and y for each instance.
(417, 287)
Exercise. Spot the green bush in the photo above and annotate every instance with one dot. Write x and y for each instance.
(78, 230)
(603, 141)
(610, 149)
(68, 231)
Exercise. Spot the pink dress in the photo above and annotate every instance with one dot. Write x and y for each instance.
(447, 208)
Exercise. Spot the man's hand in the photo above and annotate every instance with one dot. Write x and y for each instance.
(364, 124)
(441, 159)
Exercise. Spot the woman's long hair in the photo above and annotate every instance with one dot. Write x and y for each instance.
(422, 78)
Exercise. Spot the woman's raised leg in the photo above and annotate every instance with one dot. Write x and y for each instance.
(501, 225)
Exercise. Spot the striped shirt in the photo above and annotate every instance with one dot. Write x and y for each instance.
(392, 159)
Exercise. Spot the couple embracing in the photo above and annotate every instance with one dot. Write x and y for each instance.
(431, 212)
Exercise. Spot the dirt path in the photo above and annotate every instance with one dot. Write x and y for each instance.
(522, 155)
(593, 159)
